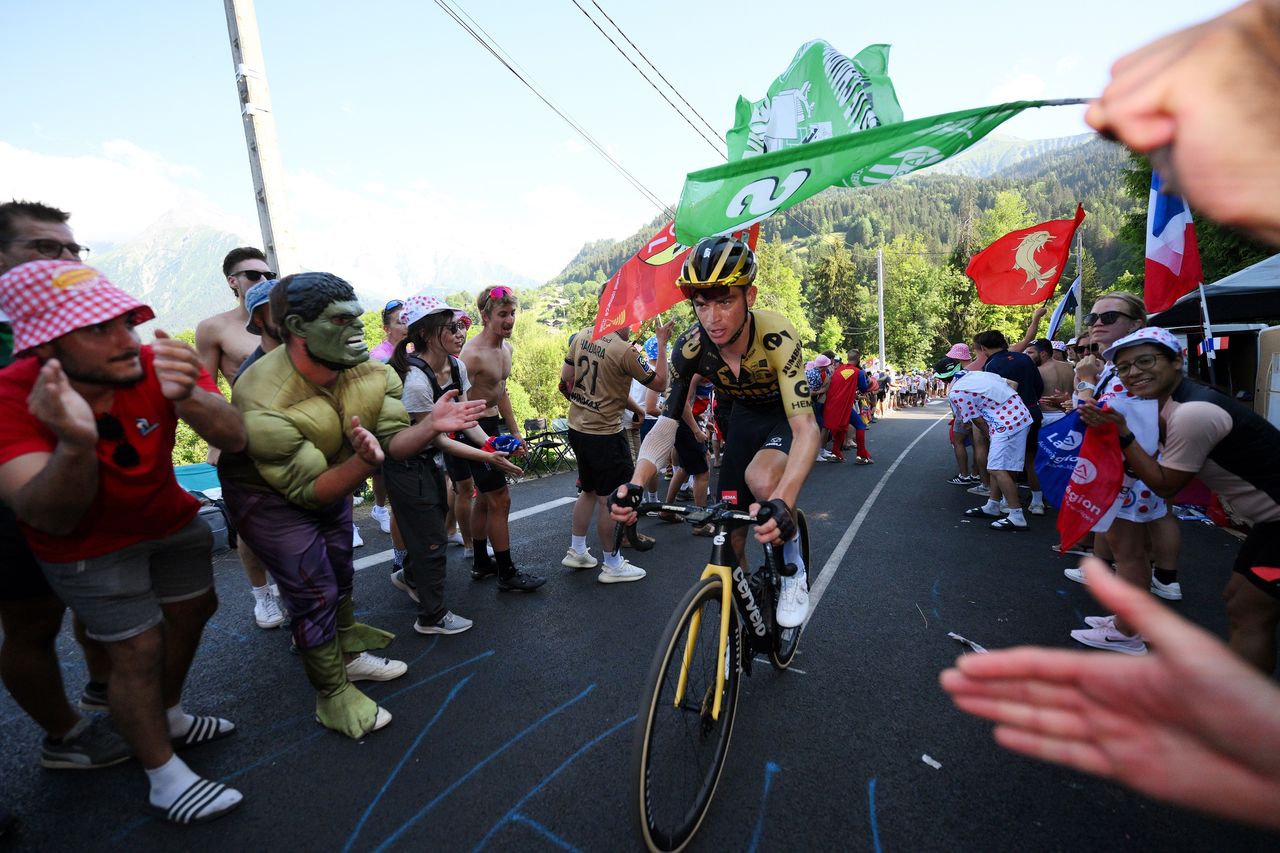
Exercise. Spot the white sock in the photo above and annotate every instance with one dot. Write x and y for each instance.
(179, 721)
(791, 554)
(613, 561)
(172, 779)
(991, 507)
(650, 497)
(1016, 516)
(1037, 497)
(261, 592)
(579, 544)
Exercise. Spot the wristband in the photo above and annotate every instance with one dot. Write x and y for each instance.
(1126, 440)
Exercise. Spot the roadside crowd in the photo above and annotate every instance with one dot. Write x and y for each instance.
(93, 519)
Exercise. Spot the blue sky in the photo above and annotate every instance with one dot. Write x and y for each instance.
(396, 127)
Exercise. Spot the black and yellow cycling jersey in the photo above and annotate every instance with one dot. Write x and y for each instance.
(770, 377)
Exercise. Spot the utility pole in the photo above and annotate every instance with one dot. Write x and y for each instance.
(1080, 274)
(884, 359)
(260, 136)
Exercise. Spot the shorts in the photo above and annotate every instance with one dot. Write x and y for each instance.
(21, 578)
(1008, 450)
(1259, 558)
(604, 461)
(691, 455)
(751, 432)
(486, 477)
(118, 595)
(646, 426)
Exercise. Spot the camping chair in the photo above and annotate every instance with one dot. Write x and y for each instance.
(547, 448)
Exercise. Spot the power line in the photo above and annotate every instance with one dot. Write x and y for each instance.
(491, 45)
(714, 134)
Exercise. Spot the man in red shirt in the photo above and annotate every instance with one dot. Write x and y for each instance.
(847, 381)
(87, 423)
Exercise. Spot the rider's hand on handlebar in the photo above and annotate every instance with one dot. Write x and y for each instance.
(780, 527)
(623, 503)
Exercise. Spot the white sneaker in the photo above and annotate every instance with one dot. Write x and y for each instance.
(382, 515)
(624, 574)
(400, 582)
(1169, 591)
(366, 667)
(576, 560)
(1076, 575)
(793, 601)
(979, 490)
(455, 538)
(1036, 508)
(1100, 621)
(1107, 637)
(266, 612)
(356, 541)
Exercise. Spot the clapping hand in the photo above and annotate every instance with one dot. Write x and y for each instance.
(449, 414)
(365, 444)
(60, 407)
(177, 367)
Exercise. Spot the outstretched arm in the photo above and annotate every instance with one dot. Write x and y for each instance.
(1032, 328)
(1189, 723)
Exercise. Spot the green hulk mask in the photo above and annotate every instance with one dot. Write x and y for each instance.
(322, 310)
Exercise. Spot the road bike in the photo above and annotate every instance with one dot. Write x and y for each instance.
(690, 696)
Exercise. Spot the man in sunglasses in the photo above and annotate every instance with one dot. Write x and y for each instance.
(87, 423)
(225, 342)
(31, 613)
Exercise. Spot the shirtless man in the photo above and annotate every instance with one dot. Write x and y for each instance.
(487, 357)
(1059, 380)
(223, 343)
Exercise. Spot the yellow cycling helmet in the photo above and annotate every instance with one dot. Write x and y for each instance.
(717, 262)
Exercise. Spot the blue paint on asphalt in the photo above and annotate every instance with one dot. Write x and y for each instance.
(871, 799)
(770, 770)
(444, 671)
(391, 777)
(937, 600)
(544, 832)
(480, 765)
(578, 753)
(236, 634)
(428, 650)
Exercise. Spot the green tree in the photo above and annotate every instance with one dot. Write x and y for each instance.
(831, 336)
(778, 286)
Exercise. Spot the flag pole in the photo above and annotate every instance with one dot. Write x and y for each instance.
(1209, 354)
(1080, 275)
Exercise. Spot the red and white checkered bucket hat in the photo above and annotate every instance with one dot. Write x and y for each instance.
(47, 299)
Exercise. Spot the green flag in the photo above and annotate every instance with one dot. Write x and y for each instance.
(822, 94)
(735, 195)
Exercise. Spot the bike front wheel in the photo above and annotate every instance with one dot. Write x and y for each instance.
(786, 641)
(680, 748)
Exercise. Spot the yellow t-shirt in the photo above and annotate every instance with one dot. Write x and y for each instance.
(602, 374)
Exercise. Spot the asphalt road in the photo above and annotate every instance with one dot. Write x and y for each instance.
(517, 734)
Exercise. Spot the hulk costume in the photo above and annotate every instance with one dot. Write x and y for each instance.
(297, 431)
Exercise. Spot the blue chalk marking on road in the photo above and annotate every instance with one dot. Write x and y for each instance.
(430, 678)
(408, 753)
(871, 799)
(272, 756)
(771, 769)
(578, 753)
(215, 626)
(544, 832)
(123, 832)
(480, 765)
(430, 647)
(937, 611)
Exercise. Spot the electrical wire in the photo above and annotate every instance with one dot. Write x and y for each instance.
(491, 45)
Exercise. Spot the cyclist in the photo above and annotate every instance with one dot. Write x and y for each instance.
(755, 359)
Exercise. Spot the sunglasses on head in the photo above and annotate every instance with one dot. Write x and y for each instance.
(53, 249)
(500, 292)
(256, 276)
(1105, 317)
(110, 429)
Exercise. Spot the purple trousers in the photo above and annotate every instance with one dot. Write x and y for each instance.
(307, 552)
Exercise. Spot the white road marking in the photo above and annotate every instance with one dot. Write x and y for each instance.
(385, 556)
(846, 541)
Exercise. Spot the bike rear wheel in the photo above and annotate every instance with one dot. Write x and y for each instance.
(679, 751)
(786, 641)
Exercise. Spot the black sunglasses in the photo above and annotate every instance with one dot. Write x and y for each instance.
(53, 249)
(110, 429)
(1107, 317)
(256, 276)
(1093, 348)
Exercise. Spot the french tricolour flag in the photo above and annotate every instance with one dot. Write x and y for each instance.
(1173, 260)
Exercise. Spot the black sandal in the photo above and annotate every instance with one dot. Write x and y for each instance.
(979, 512)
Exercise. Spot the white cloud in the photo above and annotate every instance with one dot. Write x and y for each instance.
(1023, 86)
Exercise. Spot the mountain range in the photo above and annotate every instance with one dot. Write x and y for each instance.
(175, 264)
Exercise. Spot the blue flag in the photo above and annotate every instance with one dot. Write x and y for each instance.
(1057, 452)
(1066, 305)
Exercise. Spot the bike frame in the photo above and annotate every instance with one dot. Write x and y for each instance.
(735, 592)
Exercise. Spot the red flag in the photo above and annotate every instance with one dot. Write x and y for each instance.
(1023, 267)
(645, 286)
(1094, 483)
